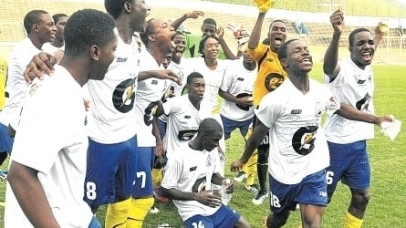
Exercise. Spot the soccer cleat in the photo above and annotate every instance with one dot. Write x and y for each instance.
(164, 225)
(3, 174)
(252, 188)
(241, 176)
(154, 210)
(260, 198)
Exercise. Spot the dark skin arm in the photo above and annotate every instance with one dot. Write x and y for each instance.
(204, 197)
(246, 101)
(35, 205)
(351, 113)
(193, 15)
(256, 31)
(159, 151)
(330, 65)
(227, 52)
(251, 144)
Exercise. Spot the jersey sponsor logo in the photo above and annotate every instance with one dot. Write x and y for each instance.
(296, 111)
(273, 81)
(240, 79)
(199, 185)
(191, 169)
(124, 95)
(269, 60)
(303, 140)
(187, 117)
(186, 135)
(363, 104)
(361, 82)
(154, 82)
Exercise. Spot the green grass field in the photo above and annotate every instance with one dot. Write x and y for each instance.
(388, 161)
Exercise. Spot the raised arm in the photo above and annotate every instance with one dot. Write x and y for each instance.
(330, 65)
(256, 31)
(193, 15)
(379, 34)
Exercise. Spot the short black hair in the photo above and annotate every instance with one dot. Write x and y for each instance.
(191, 77)
(282, 51)
(86, 28)
(273, 22)
(115, 7)
(354, 32)
(209, 126)
(204, 38)
(149, 30)
(179, 33)
(31, 18)
(57, 16)
(210, 21)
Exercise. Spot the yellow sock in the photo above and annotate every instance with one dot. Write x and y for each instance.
(139, 209)
(351, 221)
(157, 176)
(250, 168)
(117, 214)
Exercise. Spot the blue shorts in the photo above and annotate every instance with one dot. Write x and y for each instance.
(110, 171)
(224, 218)
(143, 179)
(6, 142)
(350, 164)
(311, 190)
(230, 125)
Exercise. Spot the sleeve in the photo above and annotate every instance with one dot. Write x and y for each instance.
(171, 106)
(257, 53)
(268, 111)
(46, 127)
(173, 173)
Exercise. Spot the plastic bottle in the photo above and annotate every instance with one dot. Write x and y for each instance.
(225, 197)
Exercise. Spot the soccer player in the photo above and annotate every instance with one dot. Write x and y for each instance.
(298, 151)
(57, 46)
(40, 29)
(54, 170)
(352, 81)
(270, 76)
(157, 39)
(188, 178)
(184, 114)
(237, 110)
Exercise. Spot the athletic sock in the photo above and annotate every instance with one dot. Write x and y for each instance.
(138, 211)
(117, 214)
(351, 221)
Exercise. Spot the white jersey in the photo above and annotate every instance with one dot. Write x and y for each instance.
(212, 79)
(191, 171)
(149, 90)
(52, 139)
(51, 49)
(183, 122)
(355, 87)
(113, 99)
(16, 86)
(239, 82)
(183, 69)
(297, 145)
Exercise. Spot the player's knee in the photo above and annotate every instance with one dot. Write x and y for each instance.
(360, 198)
(277, 220)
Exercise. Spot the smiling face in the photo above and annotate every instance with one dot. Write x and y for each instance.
(211, 48)
(45, 28)
(277, 35)
(298, 58)
(363, 49)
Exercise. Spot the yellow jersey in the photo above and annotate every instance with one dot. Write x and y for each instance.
(270, 71)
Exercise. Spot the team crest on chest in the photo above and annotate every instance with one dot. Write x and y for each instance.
(208, 161)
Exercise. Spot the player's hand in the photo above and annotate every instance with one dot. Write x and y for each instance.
(337, 21)
(220, 33)
(194, 14)
(236, 166)
(86, 102)
(245, 101)
(208, 198)
(382, 119)
(168, 74)
(42, 62)
(230, 187)
(380, 30)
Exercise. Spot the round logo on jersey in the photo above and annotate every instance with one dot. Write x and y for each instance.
(303, 140)
(273, 81)
(200, 184)
(243, 107)
(124, 96)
